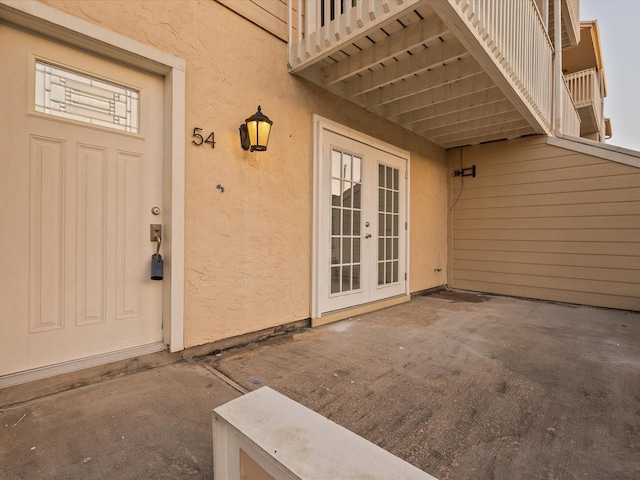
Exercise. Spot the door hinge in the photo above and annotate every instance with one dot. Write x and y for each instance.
(406, 225)
(405, 276)
(406, 174)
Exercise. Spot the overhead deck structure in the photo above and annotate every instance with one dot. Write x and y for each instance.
(457, 72)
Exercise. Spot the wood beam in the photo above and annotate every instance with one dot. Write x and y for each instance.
(413, 36)
(439, 94)
(471, 124)
(501, 130)
(443, 52)
(478, 112)
(489, 138)
(451, 72)
(465, 102)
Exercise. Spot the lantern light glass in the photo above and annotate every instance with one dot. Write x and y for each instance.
(254, 133)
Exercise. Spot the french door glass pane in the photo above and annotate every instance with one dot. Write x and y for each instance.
(346, 200)
(335, 279)
(388, 219)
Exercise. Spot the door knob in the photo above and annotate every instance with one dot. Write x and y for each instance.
(368, 235)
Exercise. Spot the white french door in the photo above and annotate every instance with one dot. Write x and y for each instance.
(361, 251)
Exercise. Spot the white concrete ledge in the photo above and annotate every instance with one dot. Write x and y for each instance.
(265, 435)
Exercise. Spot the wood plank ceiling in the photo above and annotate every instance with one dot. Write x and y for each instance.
(414, 72)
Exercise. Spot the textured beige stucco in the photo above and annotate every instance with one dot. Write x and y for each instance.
(247, 250)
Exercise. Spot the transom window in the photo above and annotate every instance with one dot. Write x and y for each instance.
(74, 96)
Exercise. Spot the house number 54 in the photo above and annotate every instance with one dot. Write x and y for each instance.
(200, 140)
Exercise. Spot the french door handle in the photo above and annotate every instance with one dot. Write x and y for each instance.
(368, 235)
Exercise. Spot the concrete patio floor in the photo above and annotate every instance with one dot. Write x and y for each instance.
(462, 385)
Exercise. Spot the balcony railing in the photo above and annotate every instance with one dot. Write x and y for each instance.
(570, 117)
(328, 24)
(585, 92)
(513, 33)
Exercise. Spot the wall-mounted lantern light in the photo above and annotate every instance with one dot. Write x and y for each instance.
(254, 134)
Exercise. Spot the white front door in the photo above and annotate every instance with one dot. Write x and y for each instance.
(362, 223)
(81, 171)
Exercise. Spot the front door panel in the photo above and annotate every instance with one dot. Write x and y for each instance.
(81, 171)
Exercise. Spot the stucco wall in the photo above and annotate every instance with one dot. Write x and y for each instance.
(248, 249)
(545, 222)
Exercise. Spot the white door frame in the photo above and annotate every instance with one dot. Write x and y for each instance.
(57, 25)
(320, 125)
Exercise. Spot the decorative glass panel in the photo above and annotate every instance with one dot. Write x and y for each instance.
(346, 216)
(388, 220)
(63, 93)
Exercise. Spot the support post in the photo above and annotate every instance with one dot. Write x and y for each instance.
(557, 67)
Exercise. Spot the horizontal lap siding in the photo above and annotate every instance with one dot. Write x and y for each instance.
(543, 222)
(272, 15)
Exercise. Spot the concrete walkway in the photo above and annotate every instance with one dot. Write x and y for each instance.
(463, 386)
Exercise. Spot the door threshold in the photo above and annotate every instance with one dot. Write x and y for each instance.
(80, 364)
(338, 315)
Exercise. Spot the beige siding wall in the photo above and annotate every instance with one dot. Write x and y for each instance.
(271, 15)
(544, 222)
(248, 250)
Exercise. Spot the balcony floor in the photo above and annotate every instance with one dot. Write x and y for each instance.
(588, 120)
